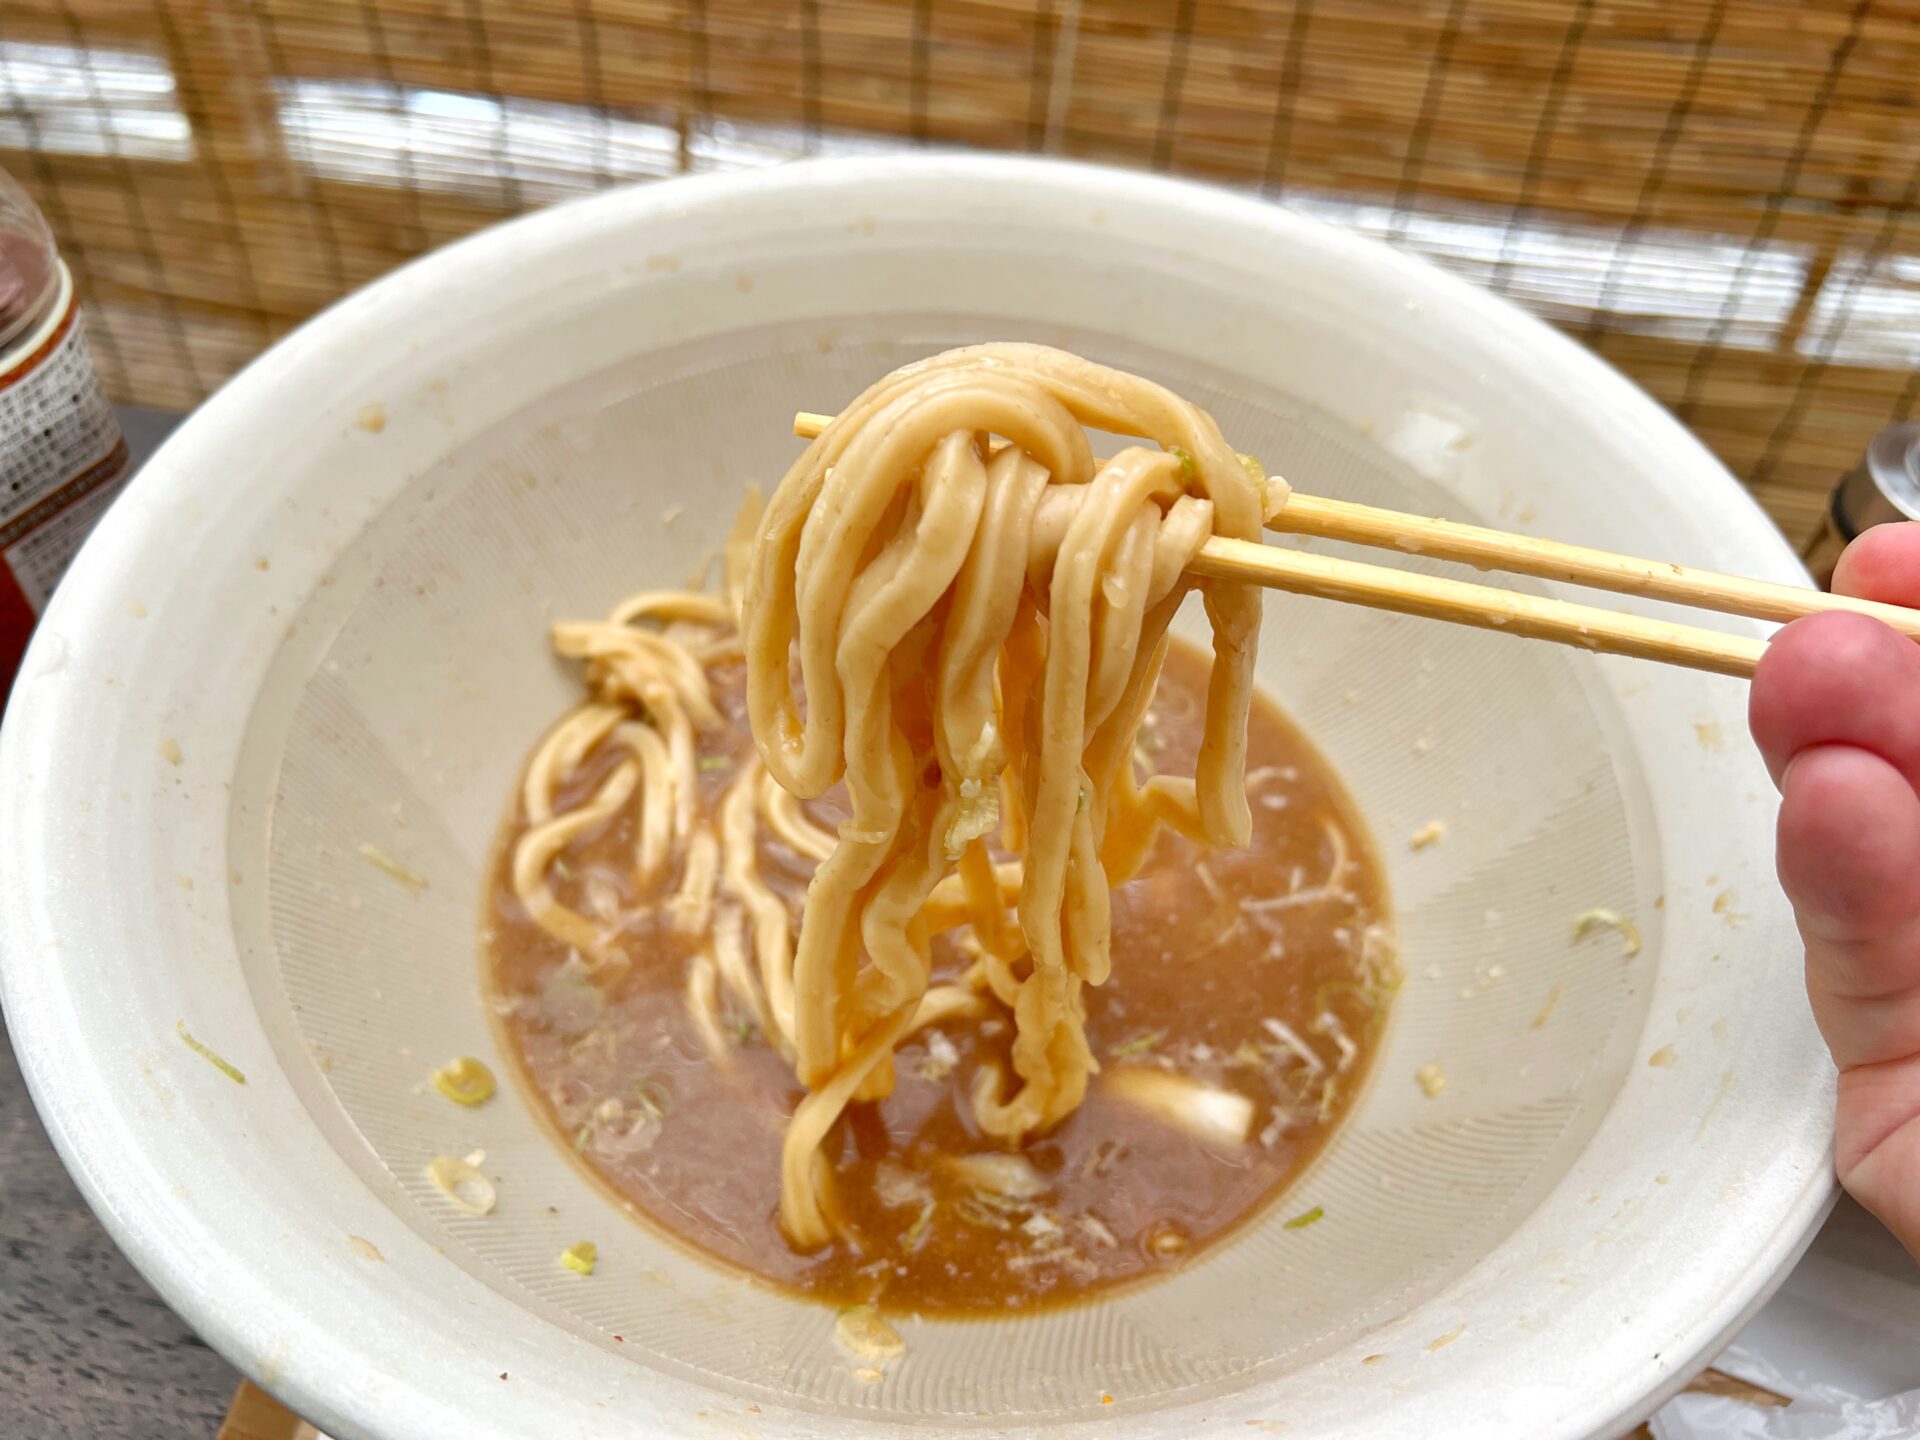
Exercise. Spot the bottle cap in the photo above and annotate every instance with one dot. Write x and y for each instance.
(1884, 486)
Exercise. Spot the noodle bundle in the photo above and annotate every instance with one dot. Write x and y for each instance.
(968, 635)
(952, 608)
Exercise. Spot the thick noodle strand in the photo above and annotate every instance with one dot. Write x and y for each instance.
(976, 631)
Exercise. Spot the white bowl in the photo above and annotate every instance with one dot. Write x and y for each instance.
(316, 620)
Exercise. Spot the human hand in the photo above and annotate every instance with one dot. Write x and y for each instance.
(1835, 709)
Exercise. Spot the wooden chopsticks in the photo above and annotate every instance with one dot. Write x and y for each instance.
(1576, 564)
(1489, 608)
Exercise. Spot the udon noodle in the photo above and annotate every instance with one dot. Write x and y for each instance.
(950, 606)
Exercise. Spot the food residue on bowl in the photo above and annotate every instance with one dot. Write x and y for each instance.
(230, 1071)
(462, 1182)
(1723, 907)
(1589, 920)
(863, 1334)
(464, 1081)
(380, 860)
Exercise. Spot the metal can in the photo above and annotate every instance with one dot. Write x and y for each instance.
(1884, 486)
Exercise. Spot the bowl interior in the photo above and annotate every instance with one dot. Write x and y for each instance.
(586, 427)
(406, 727)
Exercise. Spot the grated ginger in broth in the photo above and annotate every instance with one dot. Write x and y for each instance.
(1286, 1035)
(941, 1057)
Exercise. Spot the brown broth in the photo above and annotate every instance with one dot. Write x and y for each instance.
(1223, 965)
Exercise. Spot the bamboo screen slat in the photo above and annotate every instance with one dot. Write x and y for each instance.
(1722, 198)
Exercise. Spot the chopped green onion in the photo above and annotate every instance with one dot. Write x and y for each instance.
(916, 1233)
(655, 1096)
(974, 1213)
(1139, 1045)
(1306, 1218)
(226, 1069)
(715, 762)
(464, 1081)
(1185, 458)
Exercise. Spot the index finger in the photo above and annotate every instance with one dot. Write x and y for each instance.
(1845, 679)
(1883, 564)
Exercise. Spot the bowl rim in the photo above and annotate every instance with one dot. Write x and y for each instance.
(41, 749)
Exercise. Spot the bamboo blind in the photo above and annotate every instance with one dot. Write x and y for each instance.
(1720, 196)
